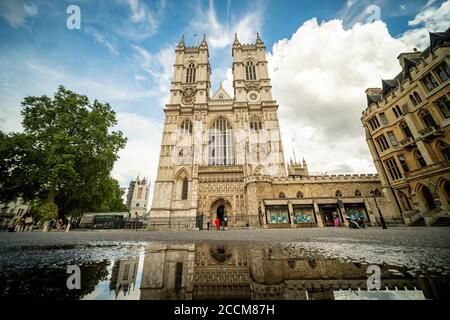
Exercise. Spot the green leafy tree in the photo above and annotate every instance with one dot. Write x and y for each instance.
(64, 155)
(48, 210)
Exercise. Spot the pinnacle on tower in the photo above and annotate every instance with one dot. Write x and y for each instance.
(181, 44)
(258, 39)
(204, 44)
(236, 41)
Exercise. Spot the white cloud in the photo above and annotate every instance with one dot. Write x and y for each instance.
(160, 68)
(16, 13)
(141, 154)
(140, 77)
(221, 34)
(319, 77)
(145, 20)
(360, 11)
(101, 38)
(431, 19)
(430, 3)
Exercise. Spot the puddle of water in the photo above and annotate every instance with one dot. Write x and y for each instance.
(221, 270)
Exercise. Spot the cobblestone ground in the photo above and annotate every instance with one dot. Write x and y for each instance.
(415, 248)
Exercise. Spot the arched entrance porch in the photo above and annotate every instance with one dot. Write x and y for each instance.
(428, 198)
(219, 209)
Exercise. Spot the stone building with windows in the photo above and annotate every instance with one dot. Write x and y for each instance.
(13, 212)
(137, 197)
(407, 125)
(222, 155)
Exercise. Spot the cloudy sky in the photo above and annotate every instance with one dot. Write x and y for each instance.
(322, 56)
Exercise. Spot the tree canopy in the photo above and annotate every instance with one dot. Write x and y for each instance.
(64, 155)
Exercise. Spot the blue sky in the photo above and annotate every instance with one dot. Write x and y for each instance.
(125, 48)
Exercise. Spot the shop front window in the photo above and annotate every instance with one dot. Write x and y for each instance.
(303, 214)
(278, 215)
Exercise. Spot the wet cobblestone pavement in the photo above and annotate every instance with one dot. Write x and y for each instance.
(405, 253)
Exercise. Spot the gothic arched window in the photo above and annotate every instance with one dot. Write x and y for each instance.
(338, 193)
(184, 190)
(405, 129)
(427, 118)
(221, 144)
(186, 127)
(299, 194)
(190, 73)
(377, 192)
(358, 193)
(281, 195)
(444, 149)
(420, 159)
(255, 123)
(413, 100)
(418, 98)
(395, 112)
(250, 71)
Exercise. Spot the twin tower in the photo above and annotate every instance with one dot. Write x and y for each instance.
(214, 148)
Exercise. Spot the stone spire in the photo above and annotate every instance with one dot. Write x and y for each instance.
(181, 44)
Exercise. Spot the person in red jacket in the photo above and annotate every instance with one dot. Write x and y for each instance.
(217, 224)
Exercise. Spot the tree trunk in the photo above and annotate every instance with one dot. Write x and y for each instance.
(51, 195)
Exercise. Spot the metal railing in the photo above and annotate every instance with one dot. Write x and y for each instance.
(172, 223)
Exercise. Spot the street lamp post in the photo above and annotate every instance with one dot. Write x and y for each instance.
(341, 217)
(383, 223)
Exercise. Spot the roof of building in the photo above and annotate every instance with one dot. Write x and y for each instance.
(407, 60)
(221, 94)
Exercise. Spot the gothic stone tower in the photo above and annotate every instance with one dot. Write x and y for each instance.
(137, 197)
(218, 154)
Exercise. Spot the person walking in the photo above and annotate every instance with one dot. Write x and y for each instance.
(217, 224)
(208, 222)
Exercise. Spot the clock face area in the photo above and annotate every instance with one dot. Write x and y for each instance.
(253, 96)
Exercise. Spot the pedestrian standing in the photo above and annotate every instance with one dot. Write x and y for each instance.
(225, 222)
(208, 222)
(336, 220)
(217, 224)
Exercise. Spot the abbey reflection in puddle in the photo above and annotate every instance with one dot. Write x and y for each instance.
(236, 271)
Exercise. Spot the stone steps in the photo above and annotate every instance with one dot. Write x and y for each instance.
(442, 222)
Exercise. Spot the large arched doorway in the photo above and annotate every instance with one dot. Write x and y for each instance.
(219, 209)
(220, 213)
(428, 197)
(445, 191)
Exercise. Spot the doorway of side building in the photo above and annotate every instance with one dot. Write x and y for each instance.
(328, 213)
(446, 191)
(429, 199)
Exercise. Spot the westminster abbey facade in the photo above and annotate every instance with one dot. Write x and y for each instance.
(222, 155)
